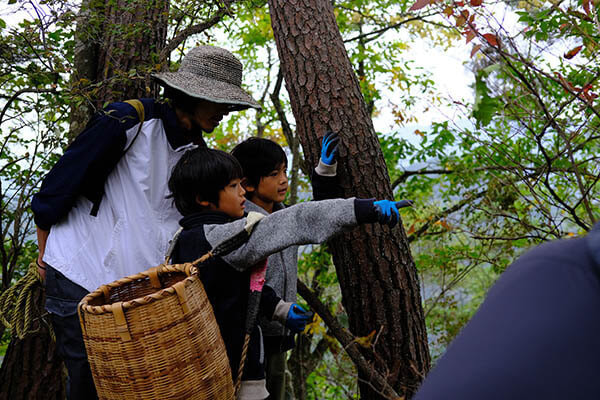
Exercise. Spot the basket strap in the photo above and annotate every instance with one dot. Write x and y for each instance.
(172, 244)
(153, 275)
(238, 381)
(120, 321)
(180, 289)
(106, 292)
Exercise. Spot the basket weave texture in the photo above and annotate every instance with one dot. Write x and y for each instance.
(147, 342)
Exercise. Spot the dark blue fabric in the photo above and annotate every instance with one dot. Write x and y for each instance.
(62, 297)
(536, 334)
(87, 162)
(227, 290)
(365, 211)
(325, 187)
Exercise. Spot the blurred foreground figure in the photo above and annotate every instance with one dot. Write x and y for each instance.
(536, 334)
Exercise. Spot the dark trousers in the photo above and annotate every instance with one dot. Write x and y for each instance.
(275, 366)
(62, 297)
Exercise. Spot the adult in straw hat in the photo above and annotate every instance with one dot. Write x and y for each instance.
(102, 213)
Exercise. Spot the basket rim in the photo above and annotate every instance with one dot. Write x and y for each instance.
(188, 268)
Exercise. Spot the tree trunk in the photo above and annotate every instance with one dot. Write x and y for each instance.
(85, 63)
(117, 47)
(31, 368)
(378, 278)
(133, 36)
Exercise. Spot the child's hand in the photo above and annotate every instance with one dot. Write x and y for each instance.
(387, 211)
(329, 148)
(297, 318)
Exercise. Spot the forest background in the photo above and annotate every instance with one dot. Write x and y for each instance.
(492, 173)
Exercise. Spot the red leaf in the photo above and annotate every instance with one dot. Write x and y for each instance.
(476, 3)
(475, 49)
(461, 20)
(586, 6)
(460, 3)
(572, 53)
(563, 26)
(566, 84)
(470, 35)
(419, 4)
(491, 39)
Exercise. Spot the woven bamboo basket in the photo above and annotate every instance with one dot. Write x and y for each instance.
(153, 335)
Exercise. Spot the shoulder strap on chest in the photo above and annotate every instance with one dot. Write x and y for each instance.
(139, 108)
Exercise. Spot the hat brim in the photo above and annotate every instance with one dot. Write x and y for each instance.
(207, 89)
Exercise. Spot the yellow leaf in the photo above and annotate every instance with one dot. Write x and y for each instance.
(366, 341)
(315, 326)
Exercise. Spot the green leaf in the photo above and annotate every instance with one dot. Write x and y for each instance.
(485, 106)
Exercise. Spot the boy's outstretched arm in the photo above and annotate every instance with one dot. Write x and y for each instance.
(305, 223)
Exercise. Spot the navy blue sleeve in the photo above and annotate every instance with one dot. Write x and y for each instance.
(268, 302)
(534, 337)
(85, 160)
(325, 187)
(364, 211)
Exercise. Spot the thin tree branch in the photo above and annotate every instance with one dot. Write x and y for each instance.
(380, 31)
(191, 30)
(20, 92)
(444, 214)
(348, 341)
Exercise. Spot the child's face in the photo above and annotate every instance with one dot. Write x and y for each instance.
(273, 187)
(231, 199)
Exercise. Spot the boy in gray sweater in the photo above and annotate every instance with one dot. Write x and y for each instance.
(264, 164)
(207, 191)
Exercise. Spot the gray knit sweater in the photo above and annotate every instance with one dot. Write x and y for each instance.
(306, 223)
(282, 274)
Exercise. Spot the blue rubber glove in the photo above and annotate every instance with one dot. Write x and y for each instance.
(297, 318)
(387, 211)
(329, 147)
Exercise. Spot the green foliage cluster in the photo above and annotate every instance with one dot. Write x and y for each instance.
(35, 62)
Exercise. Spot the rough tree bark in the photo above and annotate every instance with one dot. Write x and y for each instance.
(117, 45)
(378, 278)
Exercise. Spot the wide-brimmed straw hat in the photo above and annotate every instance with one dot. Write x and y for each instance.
(210, 73)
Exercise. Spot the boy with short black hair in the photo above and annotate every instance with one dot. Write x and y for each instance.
(264, 163)
(206, 188)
